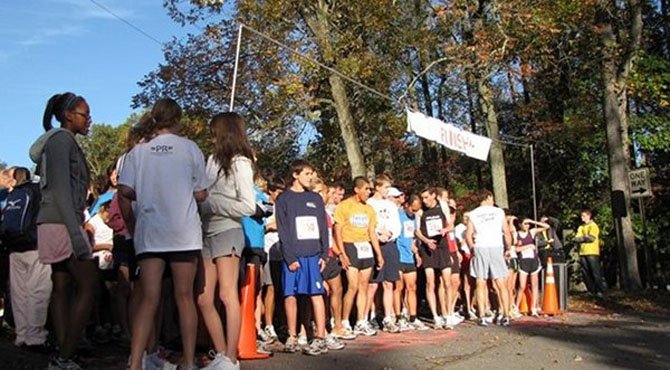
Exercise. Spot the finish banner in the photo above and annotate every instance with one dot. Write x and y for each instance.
(452, 137)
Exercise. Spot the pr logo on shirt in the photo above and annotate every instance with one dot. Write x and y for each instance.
(310, 205)
(162, 149)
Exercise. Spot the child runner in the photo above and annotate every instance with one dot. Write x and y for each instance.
(301, 223)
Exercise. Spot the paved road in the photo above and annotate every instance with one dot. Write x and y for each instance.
(595, 340)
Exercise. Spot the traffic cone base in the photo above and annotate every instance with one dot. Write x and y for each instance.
(246, 347)
(550, 298)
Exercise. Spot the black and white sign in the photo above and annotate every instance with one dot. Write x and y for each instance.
(640, 186)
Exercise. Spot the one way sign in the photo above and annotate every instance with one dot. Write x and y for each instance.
(639, 183)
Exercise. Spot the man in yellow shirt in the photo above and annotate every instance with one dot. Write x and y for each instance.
(588, 237)
(355, 235)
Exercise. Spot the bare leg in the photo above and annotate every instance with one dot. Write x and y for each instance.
(352, 292)
(207, 278)
(228, 270)
(151, 284)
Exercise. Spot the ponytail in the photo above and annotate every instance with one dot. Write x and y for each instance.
(57, 106)
(49, 112)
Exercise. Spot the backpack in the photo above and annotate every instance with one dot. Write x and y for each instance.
(18, 223)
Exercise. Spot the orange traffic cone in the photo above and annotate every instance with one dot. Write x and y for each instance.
(526, 301)
(550, 300)
(246, 347)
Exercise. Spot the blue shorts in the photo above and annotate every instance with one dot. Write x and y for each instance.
(306, 280)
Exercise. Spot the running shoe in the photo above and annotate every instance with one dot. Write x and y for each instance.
(332, 343)
(534, 313)
(262, 348)
(390, 326)
(515, 313)
(451, 321)
(315, 348)
(220, 362)
(345, 334)
(438, 323)
(270, 331)
(505, 321)
(291, 345)
(373, 324)
(58, 363)
(302, 341)
(472, 315)
(418, 325)
(262, 335)
(404, 325)
(153, 361)
(362, 328)
(483, 322)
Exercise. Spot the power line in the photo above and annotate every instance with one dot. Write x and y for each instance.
(136, 28)
(332, 70)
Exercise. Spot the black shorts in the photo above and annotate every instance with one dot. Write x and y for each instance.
(124, 255)
(455, 266)
(438, 259)
(529, 265)
(333, 268)
(352, 253)
(513, 264)
(254, 256)
(407, 268)
(390, 271)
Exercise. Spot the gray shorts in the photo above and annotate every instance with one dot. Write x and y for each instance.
(488, 263)
(226, 243)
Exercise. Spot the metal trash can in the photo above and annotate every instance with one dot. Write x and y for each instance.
(561, 277)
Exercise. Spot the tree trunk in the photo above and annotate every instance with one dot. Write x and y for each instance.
(496, 155)
(317, 21)
(616, 67)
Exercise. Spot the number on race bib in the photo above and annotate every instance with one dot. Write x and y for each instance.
(364, 250)
(307, 227)
(434, 227)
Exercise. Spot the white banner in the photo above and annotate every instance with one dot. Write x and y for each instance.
(452, 137)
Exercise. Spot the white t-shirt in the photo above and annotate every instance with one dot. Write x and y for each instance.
(387, 216)
(165, 172)
(103, 233)
(488, 225)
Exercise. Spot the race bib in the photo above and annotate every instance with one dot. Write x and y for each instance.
(307, 227)
(359, 220)
(363, 250)
(434, 227)
(528, 253)
(408, 229)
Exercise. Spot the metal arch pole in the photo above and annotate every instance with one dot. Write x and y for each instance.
(532, 172)
(237, 60)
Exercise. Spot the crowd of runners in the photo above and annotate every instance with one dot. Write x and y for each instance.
(334, 262)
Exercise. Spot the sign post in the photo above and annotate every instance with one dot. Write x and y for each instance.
(640, 188)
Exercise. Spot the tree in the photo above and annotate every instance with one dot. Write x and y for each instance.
(620, 28)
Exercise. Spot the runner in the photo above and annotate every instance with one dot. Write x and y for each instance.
(164, 223)
(230, 171)
(435, 258)
(453, 282)
(332, 275)
(409, 260)
(355, 234)
(468, 281)
(529, 261)
(387, 229)
(488, 223)
(301, 223)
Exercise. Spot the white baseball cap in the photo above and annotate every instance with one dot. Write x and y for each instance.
(394, 192)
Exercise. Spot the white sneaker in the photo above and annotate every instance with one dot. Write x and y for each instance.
(346, 324)
(418, 325)
(404, 325)
(302, 341)
(362, 328)
(220, 362)
(390, 326)
(332, 343)
(438, 323)
(270, 332)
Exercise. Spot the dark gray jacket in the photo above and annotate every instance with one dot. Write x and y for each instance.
(64, 180)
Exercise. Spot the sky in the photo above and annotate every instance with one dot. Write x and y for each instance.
(52, 46)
